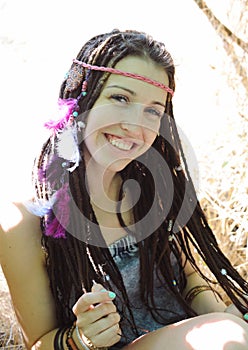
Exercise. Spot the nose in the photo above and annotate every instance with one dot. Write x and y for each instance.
(132, 130)
(132, 125)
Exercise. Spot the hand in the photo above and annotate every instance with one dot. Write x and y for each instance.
(97, 318)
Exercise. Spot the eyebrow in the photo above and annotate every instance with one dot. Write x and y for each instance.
(133, 93)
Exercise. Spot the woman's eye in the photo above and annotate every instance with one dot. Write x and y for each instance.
(119, 98)
(155, 112)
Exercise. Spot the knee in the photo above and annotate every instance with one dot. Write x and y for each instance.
(220, 330)
(225, 316)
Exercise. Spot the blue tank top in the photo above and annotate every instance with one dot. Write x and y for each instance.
(126, 255)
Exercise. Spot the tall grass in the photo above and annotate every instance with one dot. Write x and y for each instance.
(224, 195)
(10, 335)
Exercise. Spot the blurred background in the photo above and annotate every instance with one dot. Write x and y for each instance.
(209, 43)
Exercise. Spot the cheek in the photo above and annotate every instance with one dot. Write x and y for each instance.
(152, 126)
(102, 116)
(92, 141)
(93, 123)
(150, 135)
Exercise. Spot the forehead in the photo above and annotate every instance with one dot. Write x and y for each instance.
(142, 66)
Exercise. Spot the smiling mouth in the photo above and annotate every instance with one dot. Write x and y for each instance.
(119, 142)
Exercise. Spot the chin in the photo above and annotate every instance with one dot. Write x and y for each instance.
(119, 165)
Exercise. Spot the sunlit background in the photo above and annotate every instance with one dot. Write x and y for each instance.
(39, 40)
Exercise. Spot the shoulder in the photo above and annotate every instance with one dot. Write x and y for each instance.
(20, 231)
(15, 219)
(23, 264)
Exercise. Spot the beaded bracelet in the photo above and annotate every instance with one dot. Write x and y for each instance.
(193, 292)
(71, 345)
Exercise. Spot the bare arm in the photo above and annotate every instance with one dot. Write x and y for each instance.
(206, 301)
(22, 262)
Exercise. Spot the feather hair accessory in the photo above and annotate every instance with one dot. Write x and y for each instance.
(67, 109)
(65, 130)
(59, 218)
(67, 145)
(40, 207)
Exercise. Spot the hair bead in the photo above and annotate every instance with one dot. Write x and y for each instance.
(223, 272)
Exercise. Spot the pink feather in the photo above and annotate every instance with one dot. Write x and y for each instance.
(57, 227)
(66, 108)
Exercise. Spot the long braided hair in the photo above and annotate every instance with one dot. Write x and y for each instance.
(73, 263)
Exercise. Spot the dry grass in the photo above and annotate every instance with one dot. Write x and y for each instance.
(10, 335)
(225, 195)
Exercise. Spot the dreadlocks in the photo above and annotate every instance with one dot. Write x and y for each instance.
(74, 262)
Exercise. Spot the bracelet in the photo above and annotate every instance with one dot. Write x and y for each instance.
(84, 346)
(93, 347)
(58, 340)
(71, 345)
(193, 292)
(87, 345)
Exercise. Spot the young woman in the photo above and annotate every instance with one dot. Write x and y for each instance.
(108, 256)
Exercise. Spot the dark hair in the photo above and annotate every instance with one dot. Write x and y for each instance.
(73, 262)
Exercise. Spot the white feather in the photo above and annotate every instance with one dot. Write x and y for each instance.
(40, 207)
(67, 145)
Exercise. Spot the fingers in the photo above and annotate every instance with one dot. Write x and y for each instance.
(108, 337)
(101, 324)
(92, 298)
(97, 317)
(96, 313)
(97, 287)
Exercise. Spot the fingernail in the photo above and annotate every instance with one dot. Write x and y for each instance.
(112, 295)
(103, 290)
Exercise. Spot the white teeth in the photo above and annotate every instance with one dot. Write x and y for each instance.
(120, 144)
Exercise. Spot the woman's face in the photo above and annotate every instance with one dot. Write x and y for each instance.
(125, 119)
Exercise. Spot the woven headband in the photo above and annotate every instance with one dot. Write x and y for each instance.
(125, 74)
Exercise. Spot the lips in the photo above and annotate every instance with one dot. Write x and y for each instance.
(119, 142)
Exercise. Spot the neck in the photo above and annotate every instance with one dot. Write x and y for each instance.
(103, 185)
